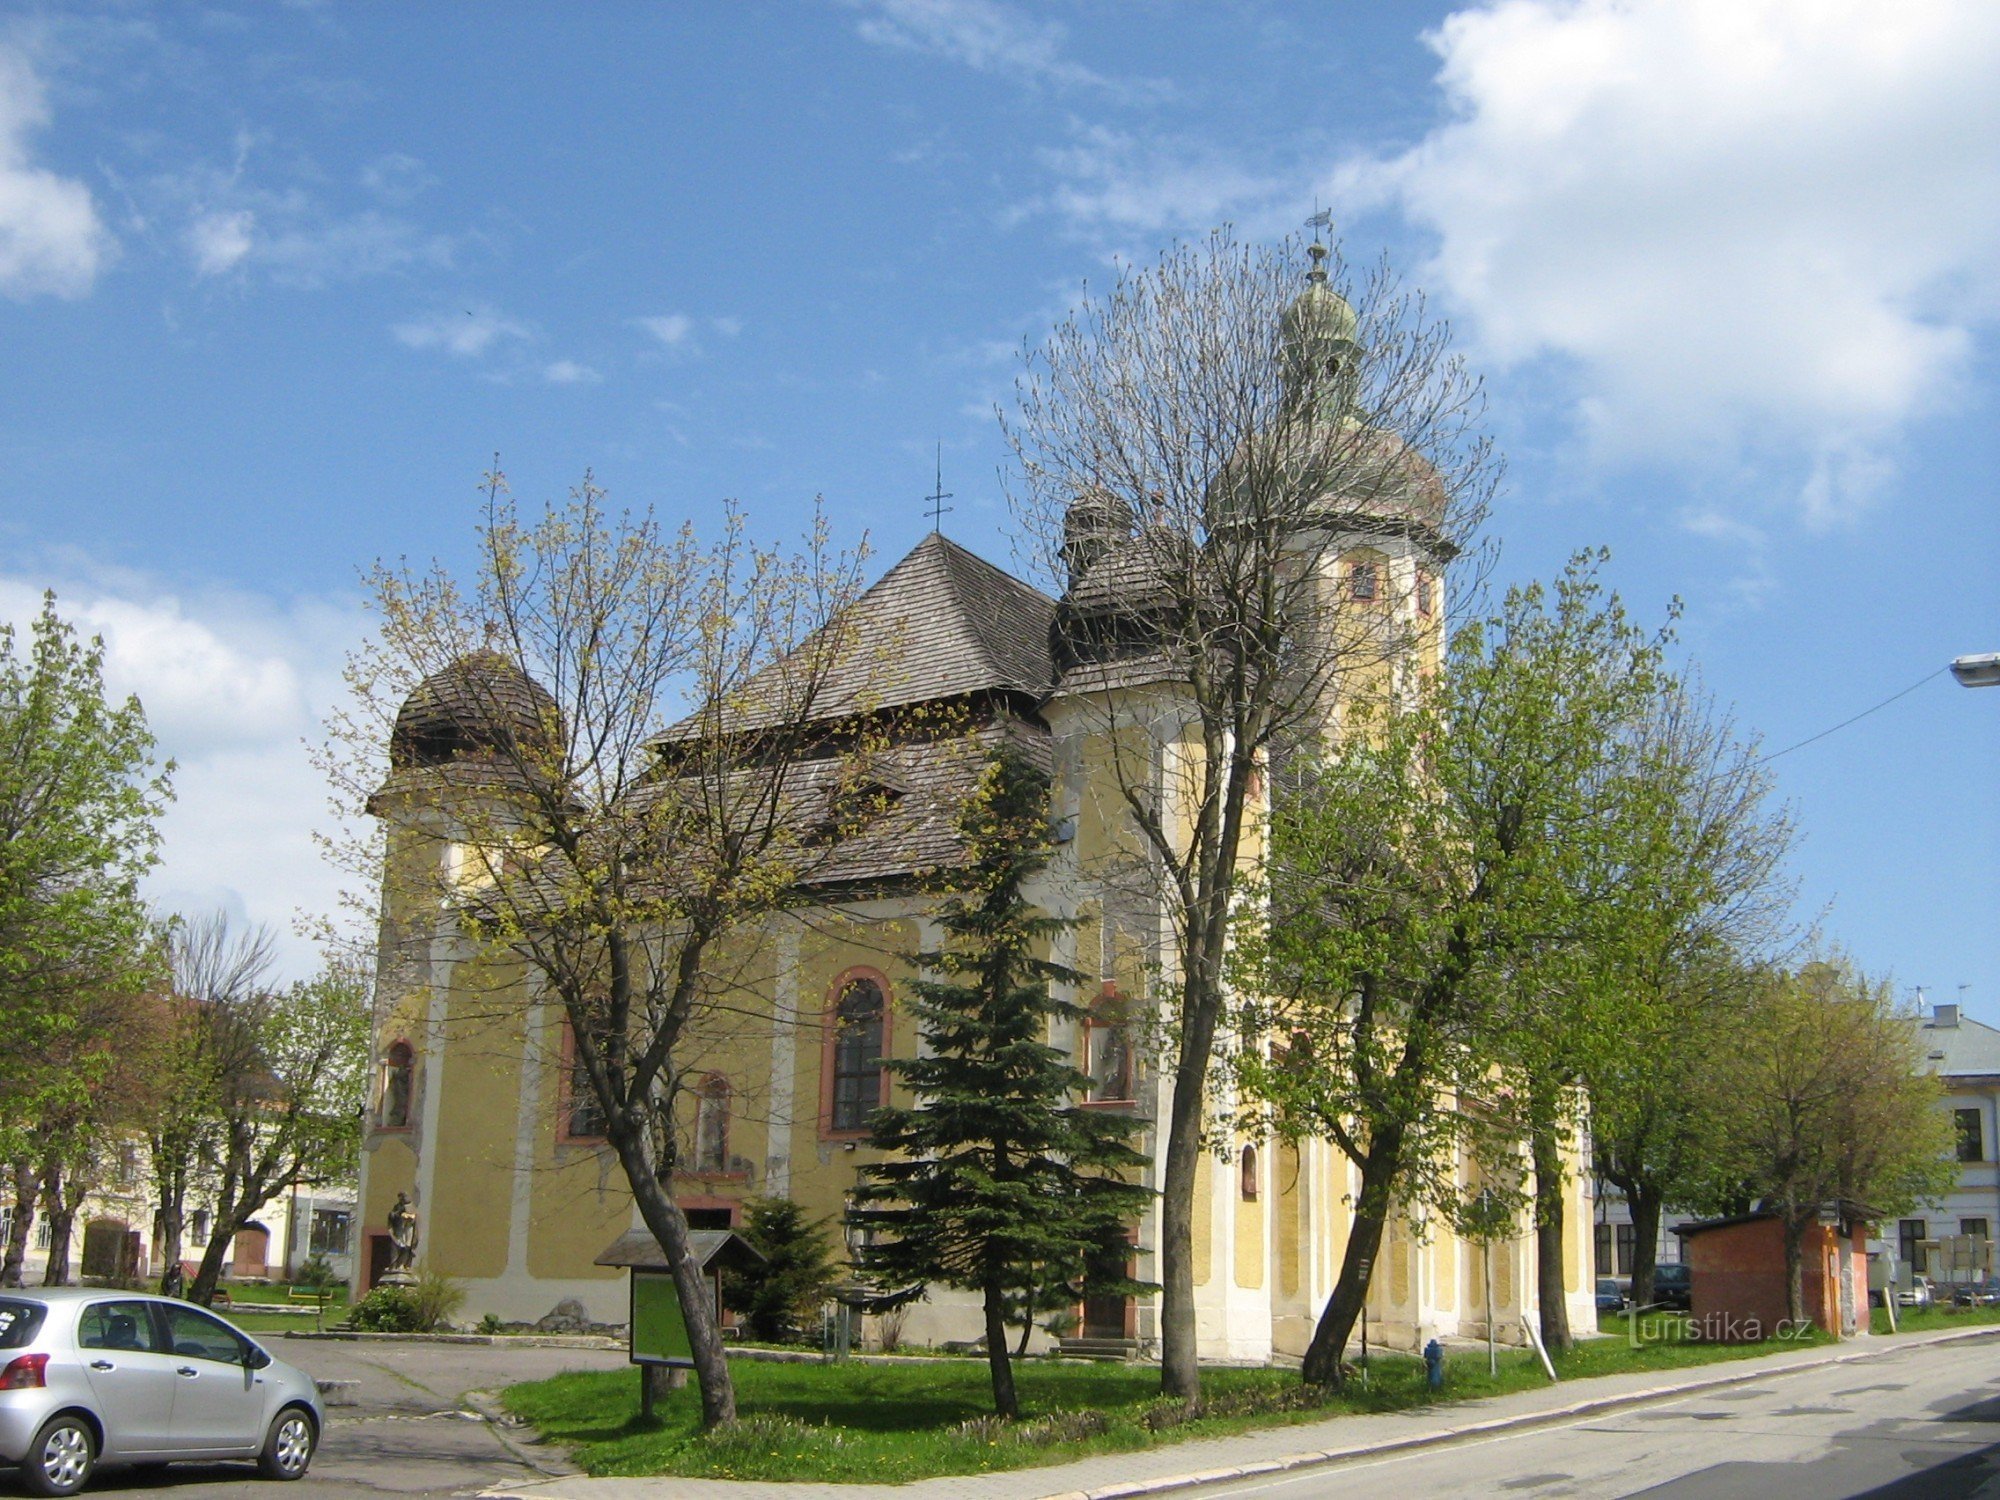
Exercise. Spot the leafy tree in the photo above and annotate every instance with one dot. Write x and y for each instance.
(640, 768)
(1000, 1183)
(1418, 869)
(1827, 1107)
(1676, 970)
(784, 1294)
(80, 798)
(1225, 428)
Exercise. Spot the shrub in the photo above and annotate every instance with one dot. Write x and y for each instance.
(438, 1299)
(387, 1309)
(491, 1324)
(781, 1297)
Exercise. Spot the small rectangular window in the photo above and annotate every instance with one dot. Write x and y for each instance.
(330, 1230)
(1361, 581)
(1975, 1228)
(1910, 1237)
(1971, 1136)
(1426, 595)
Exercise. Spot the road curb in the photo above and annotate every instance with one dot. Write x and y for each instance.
(497, 1423)
(1473, 1430)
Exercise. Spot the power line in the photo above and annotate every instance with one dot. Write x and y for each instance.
(1813, 739)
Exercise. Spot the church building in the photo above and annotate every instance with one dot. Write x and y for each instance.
(477, 1118)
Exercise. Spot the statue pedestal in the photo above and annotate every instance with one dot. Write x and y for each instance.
(399, 1277)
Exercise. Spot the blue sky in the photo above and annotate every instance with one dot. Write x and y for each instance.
(276, 282)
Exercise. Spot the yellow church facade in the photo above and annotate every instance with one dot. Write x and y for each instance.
(478, 1120)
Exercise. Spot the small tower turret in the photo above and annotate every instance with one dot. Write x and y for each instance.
(1095, 522)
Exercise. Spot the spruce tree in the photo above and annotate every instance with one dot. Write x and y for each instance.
(1000, 1181)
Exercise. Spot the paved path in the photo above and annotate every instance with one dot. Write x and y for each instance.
(1285, 1463)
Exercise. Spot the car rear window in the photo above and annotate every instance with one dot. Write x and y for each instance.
(19, 1322)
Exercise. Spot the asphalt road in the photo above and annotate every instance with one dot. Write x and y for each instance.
(1914, 1424)
(407, 1433)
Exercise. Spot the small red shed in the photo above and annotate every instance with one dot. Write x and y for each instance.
(1737, 1270)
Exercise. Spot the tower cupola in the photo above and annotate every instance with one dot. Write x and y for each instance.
(1095, 522)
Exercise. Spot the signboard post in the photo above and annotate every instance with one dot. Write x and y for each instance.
(658, 1336)
(656, 1330)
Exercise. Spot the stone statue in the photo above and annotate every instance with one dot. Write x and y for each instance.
(402, 1239)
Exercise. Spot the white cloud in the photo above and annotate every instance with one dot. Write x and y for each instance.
(52, 242)
(1763, 226)
(671, 329)
(993, 38)
(466, 333)
(1113, 182)
(233, 688)
(219, 241)
(569, 372)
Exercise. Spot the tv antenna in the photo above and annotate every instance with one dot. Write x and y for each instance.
(937, 497)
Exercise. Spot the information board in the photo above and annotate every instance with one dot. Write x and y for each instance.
(658, 1330)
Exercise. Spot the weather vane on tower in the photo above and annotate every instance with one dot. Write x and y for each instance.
(939, 494)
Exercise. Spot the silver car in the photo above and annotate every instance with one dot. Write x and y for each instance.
(89, 1374)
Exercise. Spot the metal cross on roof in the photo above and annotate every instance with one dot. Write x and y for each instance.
(937, 497)
(1322, 219)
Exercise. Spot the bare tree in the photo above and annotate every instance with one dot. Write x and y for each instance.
(1252, 484)
(624, 740)
(269, 1081)
(214, 974)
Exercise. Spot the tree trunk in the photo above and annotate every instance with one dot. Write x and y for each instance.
(1795, 1269)
(1004, 1402)
(1551, 1213)
(1180, 1373)
(1646, 1206)
(27, 1192)
(1201, 1002)
(169, 1228)
(201, 1290)
(668, 1224)
(1357, 1262)
(62, 1219)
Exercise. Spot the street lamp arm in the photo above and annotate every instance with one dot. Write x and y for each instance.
(1980, 670)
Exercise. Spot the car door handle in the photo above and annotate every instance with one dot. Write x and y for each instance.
(188, 1370)
(102, 1364)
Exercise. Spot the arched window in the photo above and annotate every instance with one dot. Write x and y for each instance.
(711, 1125)
(399, 1066)
(1107, 1049)
(1248, 1183)
(856, 1041)
(579, 1112)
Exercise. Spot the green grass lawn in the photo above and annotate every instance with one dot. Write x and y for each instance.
(894, 1423)
(1935, 1319)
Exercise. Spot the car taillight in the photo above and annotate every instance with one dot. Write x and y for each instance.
(26, 1372)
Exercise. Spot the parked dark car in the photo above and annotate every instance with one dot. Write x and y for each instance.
(1984, 1293)
(1673, 1286)
(1610, 1295)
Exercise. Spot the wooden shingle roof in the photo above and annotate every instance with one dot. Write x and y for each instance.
(941, 624)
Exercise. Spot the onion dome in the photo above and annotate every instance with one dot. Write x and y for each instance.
(1317, 333)
(482, 703)
(1095, 522)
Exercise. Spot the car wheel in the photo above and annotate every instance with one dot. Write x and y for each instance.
(288, 1447)
(60, 1459)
